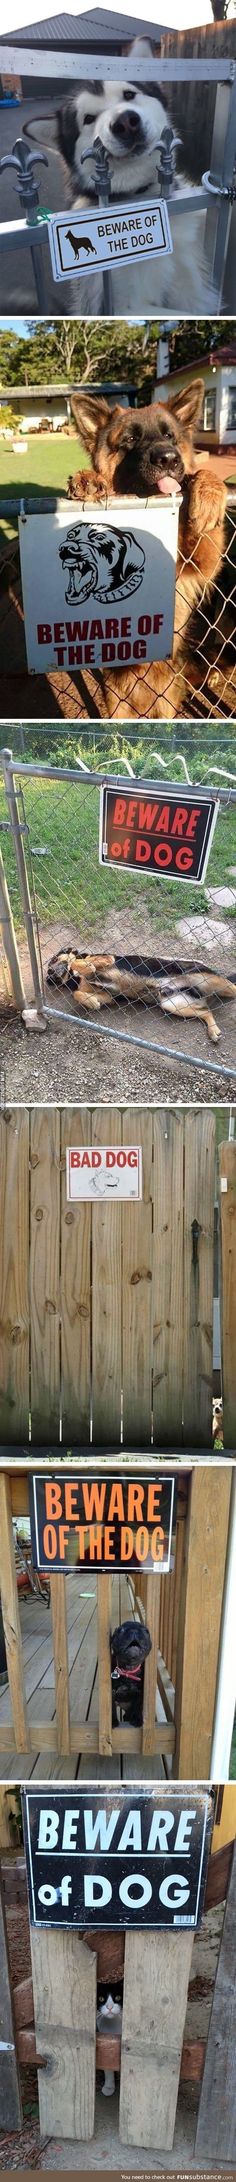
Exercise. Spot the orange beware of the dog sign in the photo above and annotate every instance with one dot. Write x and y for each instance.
(104, 1171)
(79, 242)
(99, 584)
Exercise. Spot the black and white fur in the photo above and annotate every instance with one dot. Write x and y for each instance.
(129, 121)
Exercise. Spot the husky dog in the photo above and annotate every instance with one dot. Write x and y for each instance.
(129, 122)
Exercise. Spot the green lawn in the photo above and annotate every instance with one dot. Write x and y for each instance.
(46, 466)
(69, 882)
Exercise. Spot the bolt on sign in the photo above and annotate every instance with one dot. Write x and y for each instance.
(102, 1173)
(99, 590)
(117, 1856)
(104, 1522)
(81, 242)
(167, 830)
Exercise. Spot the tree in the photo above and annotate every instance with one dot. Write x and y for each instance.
(59, 350)
(220, 10)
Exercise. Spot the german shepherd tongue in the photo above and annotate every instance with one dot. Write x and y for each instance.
(168, 484)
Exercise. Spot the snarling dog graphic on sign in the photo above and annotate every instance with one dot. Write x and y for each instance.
(107, 563)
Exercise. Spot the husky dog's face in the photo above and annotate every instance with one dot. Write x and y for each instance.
(122, 115)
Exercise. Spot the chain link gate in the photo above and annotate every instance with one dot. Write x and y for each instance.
(68, 853)
(215, 197)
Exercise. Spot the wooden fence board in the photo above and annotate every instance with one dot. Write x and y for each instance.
(10, 2097)
(14, 1275)
(150, 1670)
(137, 1291)
(61, 1660)
(75, 1292)
(44, 1272)
(228, 1287)
(11, 1620)
(106, 1298)
(104, 1666)
(168, 1139)
(206, 1533)
(65, 1986)
(157, 1969)
(198, 1276)
(216, 2126)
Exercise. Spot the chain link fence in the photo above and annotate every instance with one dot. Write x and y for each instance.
(62, 898)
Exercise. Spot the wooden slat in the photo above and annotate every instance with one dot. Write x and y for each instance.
(179, 1550)
(228, 1288)
(150, 1670)
(61, 1665)
(44, 1272)
(198, 1276)
(104, 1665)
(206, 1533)
(65, 1986)
(157, 1969)
(216, 2127)
(11, 1621)
(137, 1291)
(14, 1275)
(168, 1136)
(106, 1298)
(75, 1292)
(10, 2098)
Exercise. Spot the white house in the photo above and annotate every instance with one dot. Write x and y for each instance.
(218, 369)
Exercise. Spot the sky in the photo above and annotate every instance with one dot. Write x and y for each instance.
(179, 14)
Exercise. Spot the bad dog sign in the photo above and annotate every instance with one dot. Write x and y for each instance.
(117, 1856)
(102, 1173)
(99, 590)
(128, 232)
(168, 831)
(102, 1522)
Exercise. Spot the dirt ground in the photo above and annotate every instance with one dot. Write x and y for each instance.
(87, 1063)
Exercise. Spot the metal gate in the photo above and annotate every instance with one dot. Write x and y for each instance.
(215, 197)
(66, 845)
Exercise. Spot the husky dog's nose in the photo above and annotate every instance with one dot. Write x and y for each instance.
(127, 124)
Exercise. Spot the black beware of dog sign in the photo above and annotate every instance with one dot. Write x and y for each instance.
(103, 1522)
(117, 1856)
(99, 586)
(169, 831)
(82, 241)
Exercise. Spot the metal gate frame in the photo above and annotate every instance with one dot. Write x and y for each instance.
(14, 770)
(215, 196)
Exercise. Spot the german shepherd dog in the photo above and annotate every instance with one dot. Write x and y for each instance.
(97, 981)
(149, 452)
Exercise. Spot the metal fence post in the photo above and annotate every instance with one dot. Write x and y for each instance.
(102, 179)
(221, 179)
(9, 940)
(23, 163)
(16, 830)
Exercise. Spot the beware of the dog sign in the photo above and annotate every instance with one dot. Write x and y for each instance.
(109, 1857)
(99, 584)
(120, 1522)
(165, 831)
(103, 1172)
(81, 241)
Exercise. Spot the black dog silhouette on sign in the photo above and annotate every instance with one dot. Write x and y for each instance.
(105, 563)
(80, 242)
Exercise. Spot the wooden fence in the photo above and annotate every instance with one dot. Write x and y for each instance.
(183, 1613)
(154, 2054)
(106, 1312)
(193, 104)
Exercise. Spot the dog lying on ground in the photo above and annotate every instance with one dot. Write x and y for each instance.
(96, 981)
(150, 452)
(129, 120)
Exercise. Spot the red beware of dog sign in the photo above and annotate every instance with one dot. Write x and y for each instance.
(105, 1171)
(168, 831)
(99, 584)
